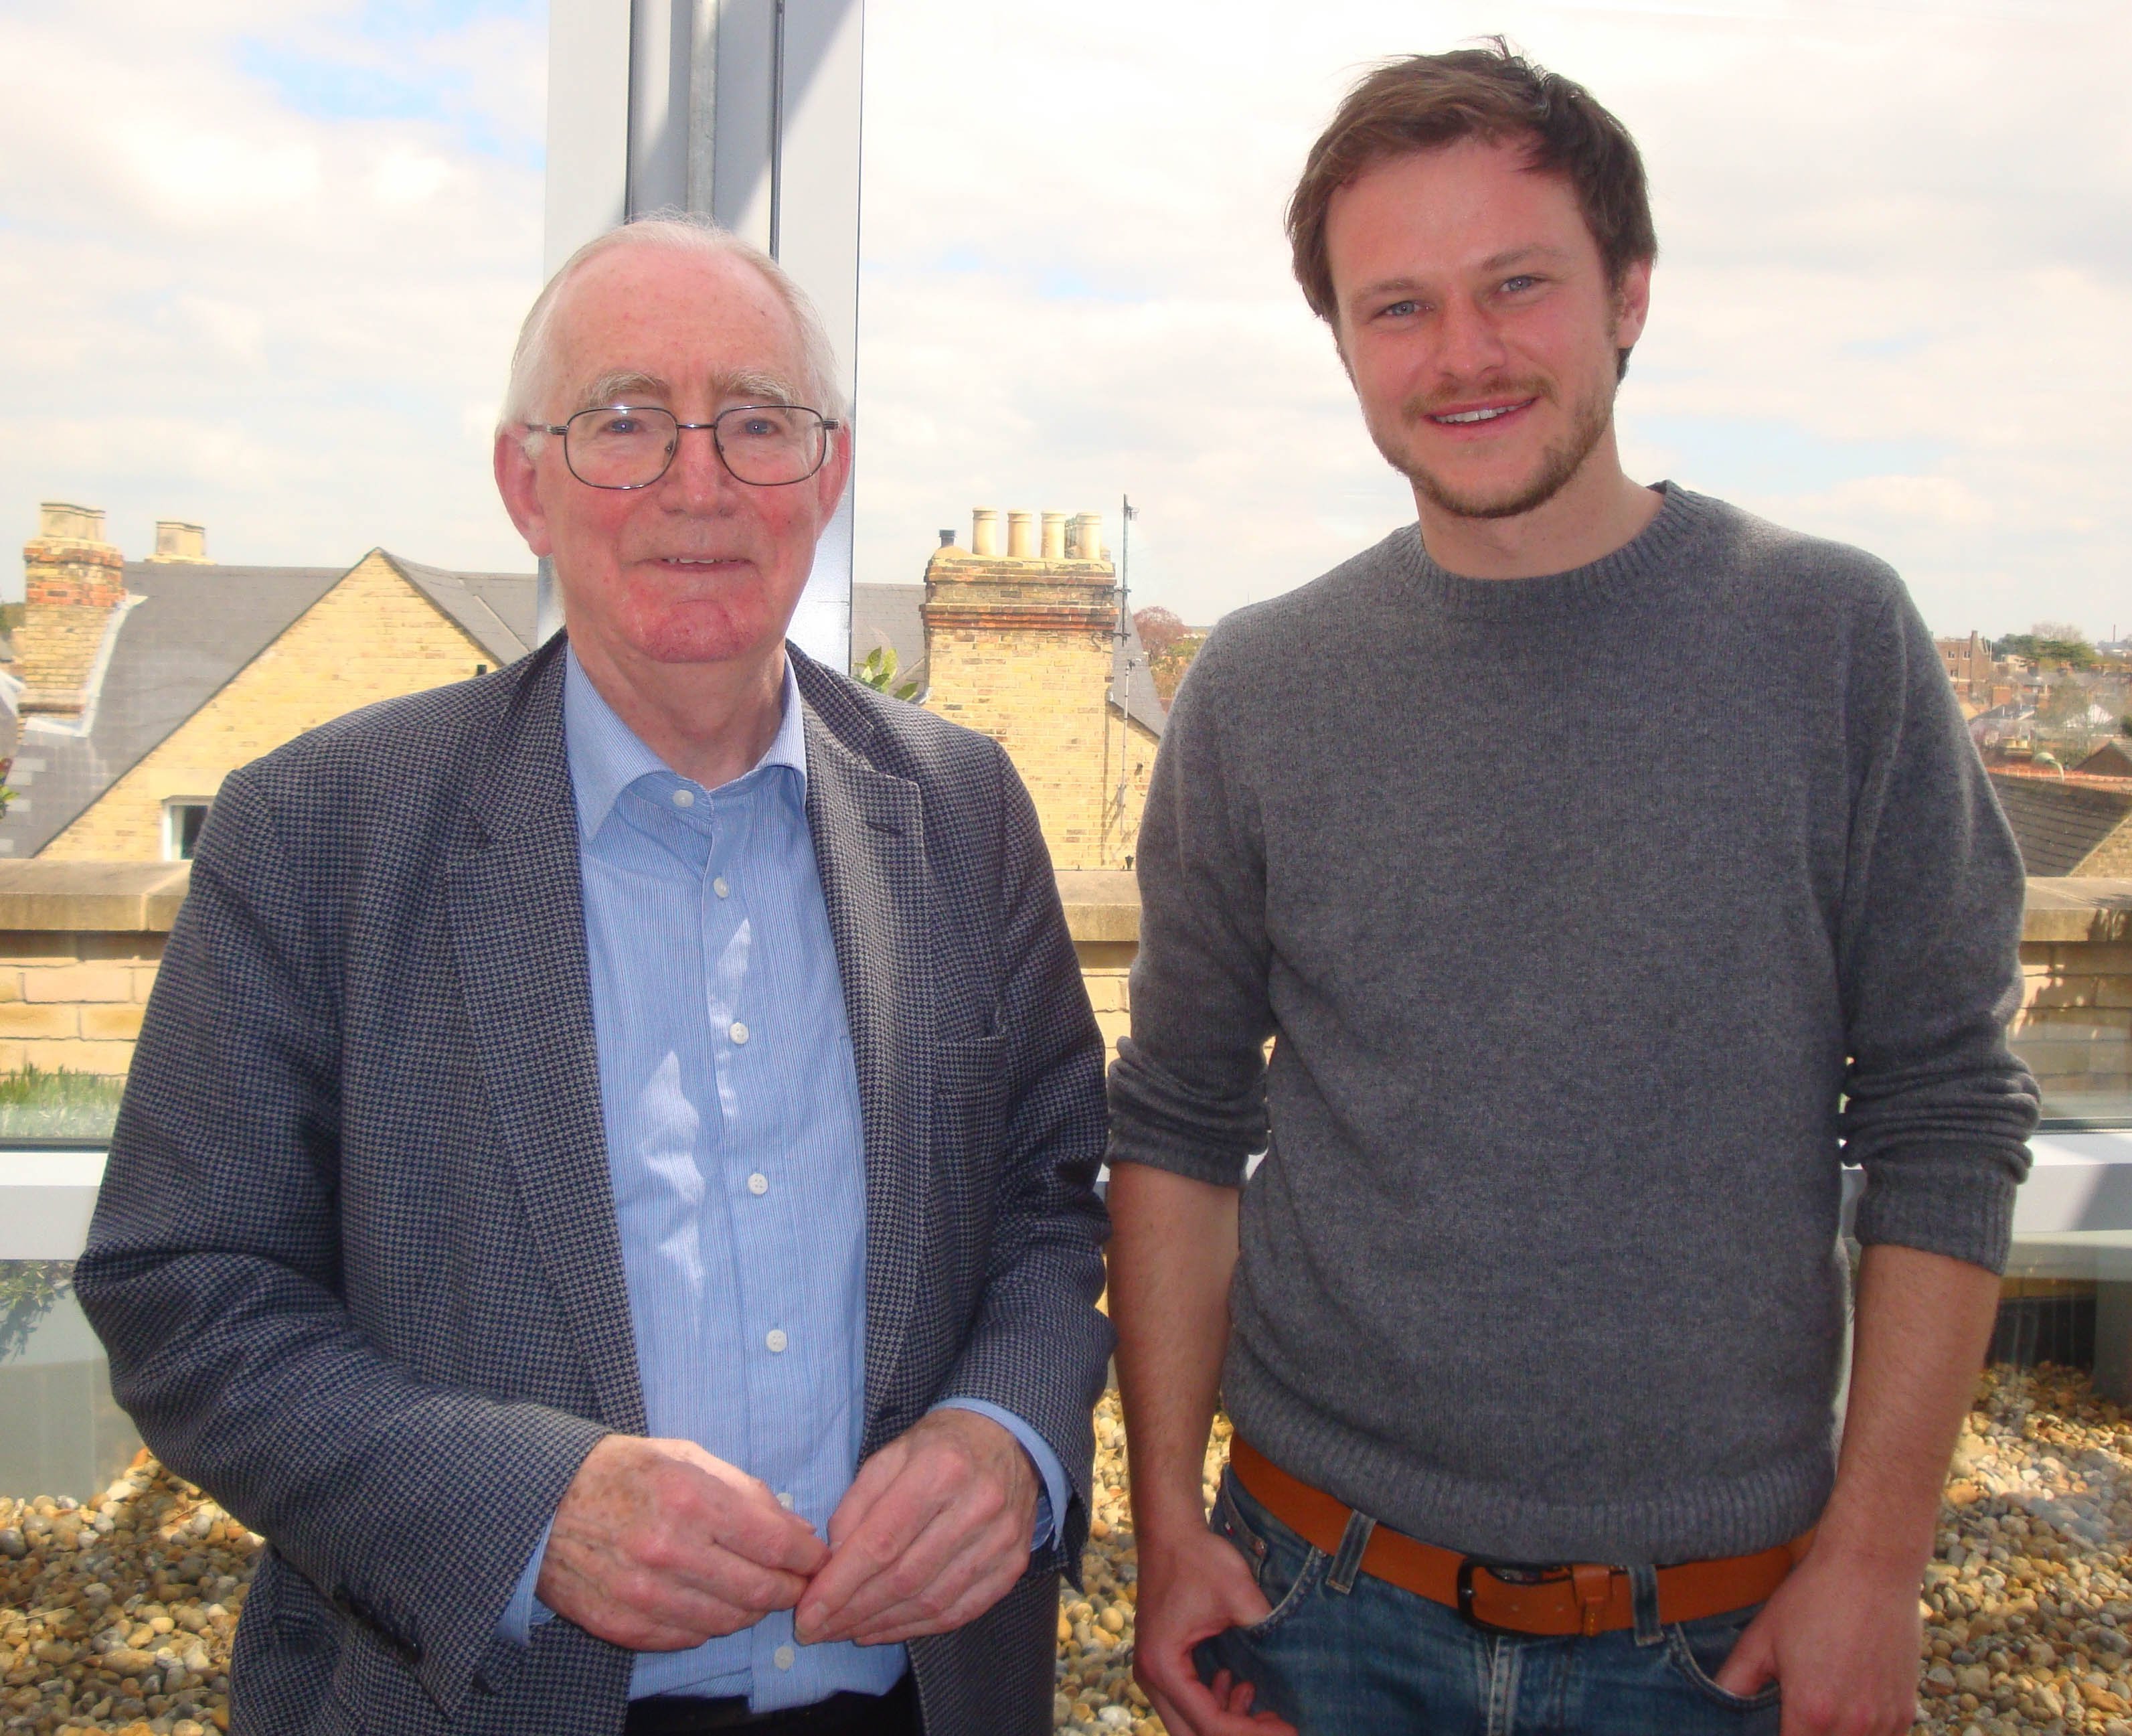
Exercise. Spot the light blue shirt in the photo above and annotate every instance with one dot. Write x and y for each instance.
(737, 1157)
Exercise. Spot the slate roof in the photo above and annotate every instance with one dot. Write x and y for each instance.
(193, 629)
(2057, 823)
(890, 612)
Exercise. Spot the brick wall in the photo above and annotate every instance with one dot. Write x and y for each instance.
(373, 636)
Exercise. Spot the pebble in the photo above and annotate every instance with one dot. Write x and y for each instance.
(118, 1615)
(128, 1605)
(2028, 1599)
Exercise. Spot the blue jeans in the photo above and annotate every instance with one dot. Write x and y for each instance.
(1346, 1654)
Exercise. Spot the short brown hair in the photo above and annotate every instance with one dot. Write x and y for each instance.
(1423, 102)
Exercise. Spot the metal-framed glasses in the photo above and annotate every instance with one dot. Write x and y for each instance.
(631, 445)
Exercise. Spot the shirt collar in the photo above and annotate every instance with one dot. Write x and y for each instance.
(605, 756)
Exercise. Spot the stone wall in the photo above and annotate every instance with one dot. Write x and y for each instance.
(373, 636)
(2074, 1026)
(79, 945)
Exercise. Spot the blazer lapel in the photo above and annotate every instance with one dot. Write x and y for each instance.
(868, 832)
(517, 910)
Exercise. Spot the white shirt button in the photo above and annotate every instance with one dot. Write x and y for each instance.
(776, 1340)
(720, 887)
(684, 798)
(737, 1031)
(784, 1499)
(783, 1658)
(758, 1185)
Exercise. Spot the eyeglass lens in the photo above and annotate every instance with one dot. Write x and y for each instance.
(628, 446)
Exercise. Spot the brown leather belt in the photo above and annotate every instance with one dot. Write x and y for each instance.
(1576, 1598)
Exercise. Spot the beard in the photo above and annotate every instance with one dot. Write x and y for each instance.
(1589, 421)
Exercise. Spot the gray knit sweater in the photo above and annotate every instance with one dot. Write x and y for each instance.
(1588, 914)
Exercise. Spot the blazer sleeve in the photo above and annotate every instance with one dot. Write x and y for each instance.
(212, 1275)
(1038, 1346)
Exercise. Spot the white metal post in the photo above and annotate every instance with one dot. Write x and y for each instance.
(745, 110)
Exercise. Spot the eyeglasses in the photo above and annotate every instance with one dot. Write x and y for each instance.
(631, 445)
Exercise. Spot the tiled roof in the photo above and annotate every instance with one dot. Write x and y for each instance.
(2060, 822)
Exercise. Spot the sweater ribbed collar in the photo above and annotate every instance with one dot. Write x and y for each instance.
(1654, 551)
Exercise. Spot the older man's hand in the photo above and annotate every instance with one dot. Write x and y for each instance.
(659, 1546)
(931, 1534)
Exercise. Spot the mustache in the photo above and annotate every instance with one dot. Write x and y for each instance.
(1423, 405)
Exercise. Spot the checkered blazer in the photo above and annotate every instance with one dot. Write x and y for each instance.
(355, 1260)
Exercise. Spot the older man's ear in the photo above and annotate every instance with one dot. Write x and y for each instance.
(517, 482)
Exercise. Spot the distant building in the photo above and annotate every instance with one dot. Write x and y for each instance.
(1969, 665)
(2112, 759)
(138, 686)
(144, 684)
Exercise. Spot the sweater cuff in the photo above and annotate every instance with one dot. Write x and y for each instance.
(1957, 1203)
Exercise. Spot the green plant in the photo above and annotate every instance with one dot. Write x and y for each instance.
(28, 1288)
(878, 672)
(62, 1104)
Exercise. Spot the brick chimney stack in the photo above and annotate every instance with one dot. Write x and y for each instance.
(72, 583)
(1019, 645)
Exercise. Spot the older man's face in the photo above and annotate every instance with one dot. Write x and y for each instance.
(698, 567)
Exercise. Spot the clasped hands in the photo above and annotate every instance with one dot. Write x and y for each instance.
(657, 1545)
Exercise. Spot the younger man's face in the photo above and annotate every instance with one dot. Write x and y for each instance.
(1476, 321)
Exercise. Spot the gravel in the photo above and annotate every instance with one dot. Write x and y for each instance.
(118, 1615)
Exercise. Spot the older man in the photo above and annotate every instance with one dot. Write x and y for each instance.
(605, 1185)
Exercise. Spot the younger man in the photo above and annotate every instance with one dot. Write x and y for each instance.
(1608, 866)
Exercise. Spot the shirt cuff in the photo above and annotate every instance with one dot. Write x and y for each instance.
(1051, 1497)
(524, 1612)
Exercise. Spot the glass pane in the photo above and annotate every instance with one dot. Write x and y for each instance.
(37, 1106)
(64, 1435)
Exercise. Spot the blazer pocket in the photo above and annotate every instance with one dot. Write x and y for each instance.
(966, 1064)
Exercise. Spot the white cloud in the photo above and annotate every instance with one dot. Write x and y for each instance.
(265, 276)
(1893, 301)
(244, 287)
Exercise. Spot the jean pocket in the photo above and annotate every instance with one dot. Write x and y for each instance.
(1697, 1650)
(1288, 1593)
(1285, 1567)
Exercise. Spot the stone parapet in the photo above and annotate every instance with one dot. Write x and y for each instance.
(2074, 1028)
(80, 941)
(112, 898)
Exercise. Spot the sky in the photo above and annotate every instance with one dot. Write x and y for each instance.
(260, 268)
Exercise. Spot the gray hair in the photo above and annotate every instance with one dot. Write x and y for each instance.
(533, 362)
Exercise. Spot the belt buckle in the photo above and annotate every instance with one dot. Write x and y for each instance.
(1528, 1574)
